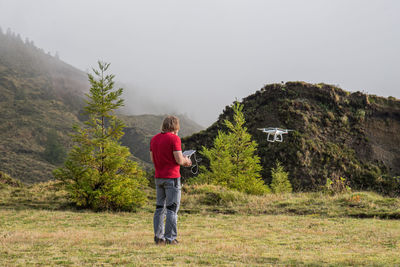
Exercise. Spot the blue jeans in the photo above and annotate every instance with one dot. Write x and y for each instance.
(168, 199)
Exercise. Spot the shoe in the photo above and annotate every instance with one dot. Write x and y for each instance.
(173, 242)
(159, 241)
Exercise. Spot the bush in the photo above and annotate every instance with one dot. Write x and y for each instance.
(280, 182)
(388, 185)
(98, 173)
(360, 115)
(337, 185)
(8, 180)
(233, 163)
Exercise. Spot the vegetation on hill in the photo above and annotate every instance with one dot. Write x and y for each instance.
(39, 96)
(336, 134)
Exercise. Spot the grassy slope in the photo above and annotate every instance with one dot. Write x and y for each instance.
(38, 227)
(25, 124)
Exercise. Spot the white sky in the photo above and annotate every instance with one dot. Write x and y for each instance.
(196, 57)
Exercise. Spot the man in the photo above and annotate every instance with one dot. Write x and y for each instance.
(166, 155)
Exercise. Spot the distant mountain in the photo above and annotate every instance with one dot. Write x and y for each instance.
(336, 134)
(41, 97)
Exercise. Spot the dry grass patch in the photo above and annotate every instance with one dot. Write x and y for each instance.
(35, 237)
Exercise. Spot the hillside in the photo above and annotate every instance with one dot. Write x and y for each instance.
(38, 94)
(336, 134)
(41, 98)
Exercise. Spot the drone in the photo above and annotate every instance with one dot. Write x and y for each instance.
(274, 134)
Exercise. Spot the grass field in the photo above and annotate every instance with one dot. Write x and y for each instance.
(37, 227)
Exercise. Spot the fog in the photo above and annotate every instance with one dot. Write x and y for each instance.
(196, 57)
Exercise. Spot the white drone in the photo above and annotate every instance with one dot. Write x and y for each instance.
(274, 134)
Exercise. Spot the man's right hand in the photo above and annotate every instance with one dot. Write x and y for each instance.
(188, 162)
(182, 160)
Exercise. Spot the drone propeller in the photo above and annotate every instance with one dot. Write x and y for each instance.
(266, 129)
(276, 129)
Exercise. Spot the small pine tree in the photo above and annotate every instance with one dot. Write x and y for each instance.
(233, 162)
(97, 172)
(280, 182)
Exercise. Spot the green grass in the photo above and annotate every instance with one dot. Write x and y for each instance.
(217, 227)
(356, 204)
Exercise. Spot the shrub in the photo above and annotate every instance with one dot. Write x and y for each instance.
(330, 115)
(98, 173)
(345, 120)
(8, 180)
(360, 115)
(337, 185)
(388, 185)
(280, 182)
(233, 162)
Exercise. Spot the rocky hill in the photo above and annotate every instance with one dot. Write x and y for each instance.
(336, 134)
(40, 99)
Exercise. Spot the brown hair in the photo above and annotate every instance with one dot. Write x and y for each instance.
(170, 124)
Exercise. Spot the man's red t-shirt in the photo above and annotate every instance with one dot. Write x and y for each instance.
(162, 146)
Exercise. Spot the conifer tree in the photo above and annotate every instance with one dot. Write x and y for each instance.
(233, 162)
(98, 173)
(280, 182)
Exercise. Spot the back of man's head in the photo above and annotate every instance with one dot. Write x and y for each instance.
(170, 124)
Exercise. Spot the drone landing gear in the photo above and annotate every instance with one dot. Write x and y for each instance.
(274, 138)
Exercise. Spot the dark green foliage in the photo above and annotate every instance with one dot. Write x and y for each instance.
(98, 173)
(280, 180)
(233, 162)
(388, 185)
(54, 152)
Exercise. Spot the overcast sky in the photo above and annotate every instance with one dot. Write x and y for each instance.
(196, 57)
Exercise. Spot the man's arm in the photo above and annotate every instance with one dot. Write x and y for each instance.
(151, 156)
(181, 160)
